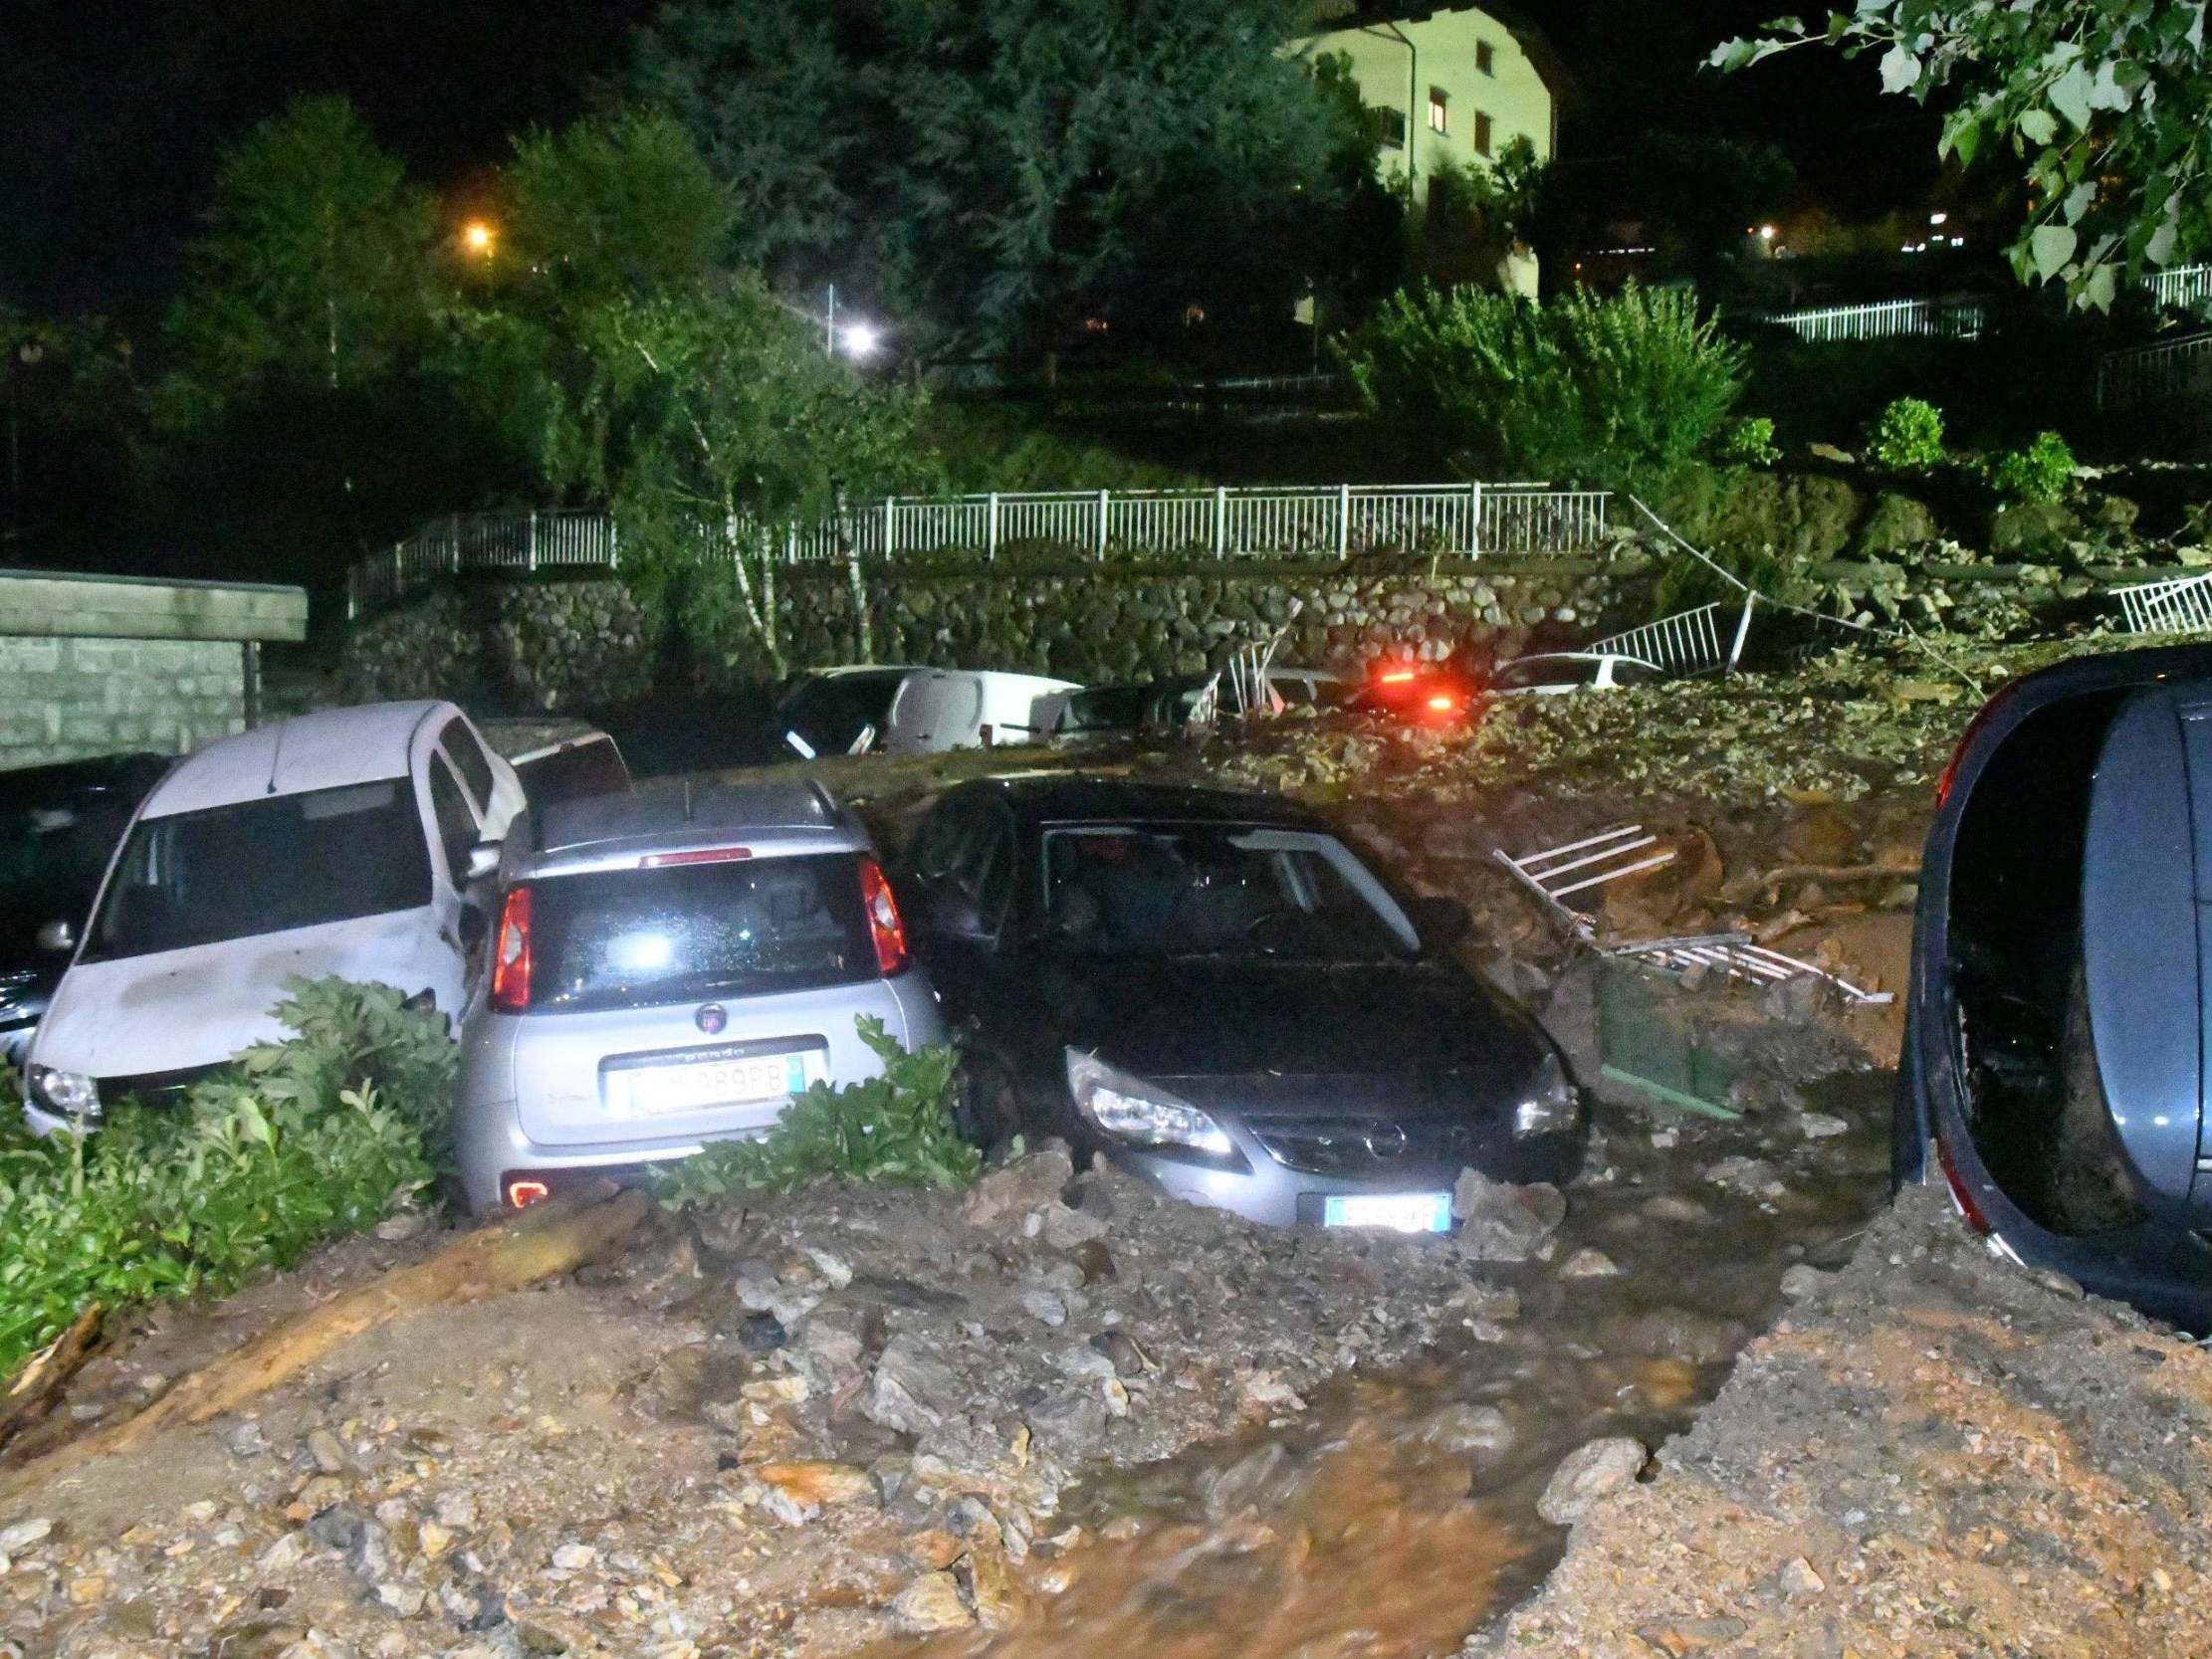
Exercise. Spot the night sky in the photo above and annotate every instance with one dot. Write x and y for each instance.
(115, 112)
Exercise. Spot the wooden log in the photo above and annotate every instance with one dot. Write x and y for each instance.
(545, 1240)
(45, 1373)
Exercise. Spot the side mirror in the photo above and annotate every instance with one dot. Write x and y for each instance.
(1441, 922)
(58, 936)
(483, 860)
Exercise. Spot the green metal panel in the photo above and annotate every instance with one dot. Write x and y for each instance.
(1642, 1043)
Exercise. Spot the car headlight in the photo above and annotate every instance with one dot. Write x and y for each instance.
(1140, 1112)
(65, 1094)
(1549, 1105)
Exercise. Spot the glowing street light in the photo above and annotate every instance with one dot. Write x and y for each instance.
(859, 341)
(477, 238)
(1766, 233)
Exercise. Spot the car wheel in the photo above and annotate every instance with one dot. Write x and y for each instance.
(2090, 1184)
(986, 1108)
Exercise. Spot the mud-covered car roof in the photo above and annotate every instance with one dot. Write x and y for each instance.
(1051, 799)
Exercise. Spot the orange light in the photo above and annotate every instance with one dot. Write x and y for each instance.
(1444, 703)
(523, 1190)
(478, 237)
(1395, 676)
(885, 926)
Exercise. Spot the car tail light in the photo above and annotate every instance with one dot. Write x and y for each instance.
(1395, 676)
(1960, 1195)
(523, 1191)
(511, 955)
(884, 924)
(1443, 702)
(1965, 743)
(697, 855)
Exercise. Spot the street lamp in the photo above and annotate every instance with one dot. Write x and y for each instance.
(478, 237)
(859, 341)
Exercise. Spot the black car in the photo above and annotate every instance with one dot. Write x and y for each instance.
(1216, 992)
(2053, 1065)
(59, 826)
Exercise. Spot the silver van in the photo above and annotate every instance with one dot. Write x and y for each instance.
(668, 969)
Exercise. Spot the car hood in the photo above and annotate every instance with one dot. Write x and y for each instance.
(177, 1009)
(1195, 1017)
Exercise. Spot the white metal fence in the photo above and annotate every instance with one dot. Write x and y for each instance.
(2180, 605)
(2184, 284)
(1885, 318)
(1688, 642)
(1462, 520)
(2180, 367)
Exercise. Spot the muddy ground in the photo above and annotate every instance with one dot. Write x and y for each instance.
(1060, 1417)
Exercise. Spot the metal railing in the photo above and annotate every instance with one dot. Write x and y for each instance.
(2179, 605)
(2180, 368)
(1885, 318)
(2184, 284)
(1461, 521)
(1687, 642)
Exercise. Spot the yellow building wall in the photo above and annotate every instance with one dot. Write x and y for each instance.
(1396, 65)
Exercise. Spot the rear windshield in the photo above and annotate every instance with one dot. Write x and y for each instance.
(625, 938)
(573, 772)
(264, 866)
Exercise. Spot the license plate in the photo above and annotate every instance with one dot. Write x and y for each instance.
(701, 1085)
(1403, 1212)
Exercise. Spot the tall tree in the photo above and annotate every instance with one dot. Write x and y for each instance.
(315, 266)
(2105, 108)
(1006, 168)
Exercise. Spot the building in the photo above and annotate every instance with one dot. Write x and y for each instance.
(1446, 83)
(99, 665)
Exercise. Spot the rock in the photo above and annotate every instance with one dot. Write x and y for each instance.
(22, 1535)
(1798, 999)
(1460, 1429)
(282, 1555)
(1070, 1424)
(1798, 1581)
(1588, 1475)
(1894, 524)
(1499, 1222)
(1587, 1263)
(1270, 1392)
(910, 1392)
(241, 1437)
(398, 1229)
(2032, 529)
(761, 1334)
(1802, 1280)
(1005, 1195)
(1044, 1307)
(1122, 1352)
(326, 1451)
(816, 1484)
(1691, 1635)
(342, 1528)
(433, 1540)
(402, 1598)
(1750, 1178)
(455, 1508)
(1067, 1229)
(930, 1604)
(574, 1558)
(1819, 1126)
(1244, 1483)
(1082, 1362)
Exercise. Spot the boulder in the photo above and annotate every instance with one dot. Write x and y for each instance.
(1588, 1475)
(930, 1603)
(1499, 1222)
(1006, 1195)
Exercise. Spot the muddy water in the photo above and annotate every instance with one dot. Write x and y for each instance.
(1398, 1513)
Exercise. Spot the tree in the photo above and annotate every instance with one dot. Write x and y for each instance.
(1003, 170)
(710, 420)
(2103, 105)
(315, 266)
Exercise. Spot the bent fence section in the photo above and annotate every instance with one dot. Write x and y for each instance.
(2173, 368)
(1451, 520)
(2181, 605)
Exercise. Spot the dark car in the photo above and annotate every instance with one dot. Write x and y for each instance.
(59, 825)
(2053, 1064)
(1213, 992)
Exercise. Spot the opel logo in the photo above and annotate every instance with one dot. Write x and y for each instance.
(1384, 1141)
(712, 1019)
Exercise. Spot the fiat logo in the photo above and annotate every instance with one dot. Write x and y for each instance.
(712, 1019)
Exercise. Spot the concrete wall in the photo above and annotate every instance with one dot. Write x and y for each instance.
(66, 698)
(102, 665)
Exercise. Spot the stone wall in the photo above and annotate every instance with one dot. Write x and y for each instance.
(582, 644)
(66, 698)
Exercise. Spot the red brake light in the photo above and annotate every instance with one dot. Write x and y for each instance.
(1960, 1195)
(884, 924)
(1965, 743)
(525, 1189)
(510, 954)
(1443, 702)
(698, 855)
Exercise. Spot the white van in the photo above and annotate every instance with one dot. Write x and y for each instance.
(335, 843)
(937, 709)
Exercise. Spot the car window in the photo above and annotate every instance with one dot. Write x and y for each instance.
(54, 850)
(469, 758)
(1547, 671)
(1133, 889)
(575, 772)
(831, 713)
(263, 865)
(984, 870)
(457, 826)
(636, 938)
(1633, 674)
(938, 844)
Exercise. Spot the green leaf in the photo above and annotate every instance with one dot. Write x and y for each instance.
(2051, 246)
(2069, 95)
(2038, 127)
(1900, 71)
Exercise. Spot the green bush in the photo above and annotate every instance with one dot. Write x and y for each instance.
(1906, 437)
(2038, 474)
(1747, 441)
(896, 1127)
(297, 1143)
(1623, 392)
